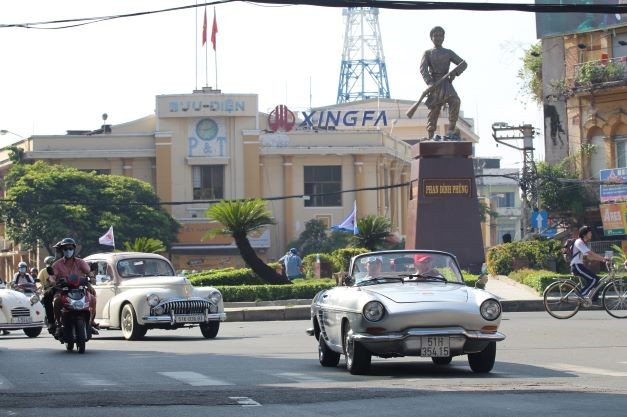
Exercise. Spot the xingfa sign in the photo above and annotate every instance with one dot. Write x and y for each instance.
(283, 119)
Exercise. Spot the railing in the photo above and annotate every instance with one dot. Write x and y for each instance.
(601, 246)
(601, 71)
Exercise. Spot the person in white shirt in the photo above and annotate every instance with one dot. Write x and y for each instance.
(581, 250)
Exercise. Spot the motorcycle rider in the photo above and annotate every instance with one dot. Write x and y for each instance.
(22, 276)
(46, 287)
(64, 267)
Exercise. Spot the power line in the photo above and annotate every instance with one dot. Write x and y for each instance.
(381, 4)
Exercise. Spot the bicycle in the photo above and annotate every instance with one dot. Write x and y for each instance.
(562, 299)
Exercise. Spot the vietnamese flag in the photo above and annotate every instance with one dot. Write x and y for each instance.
(214, 29)
(204, 29)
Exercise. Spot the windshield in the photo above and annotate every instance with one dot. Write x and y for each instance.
(409, 265)
(144, 267)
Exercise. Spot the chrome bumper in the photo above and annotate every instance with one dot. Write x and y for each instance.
(19, 326)
(408, 342)
(170, 319)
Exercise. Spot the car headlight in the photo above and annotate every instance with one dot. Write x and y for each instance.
(490, 309)
(34, 299)
(373, 311)
(159, 310)
(215, 297)
(153, 299)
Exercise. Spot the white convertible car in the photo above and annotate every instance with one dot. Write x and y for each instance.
(21, 311)
(405, 303)
(140, 291)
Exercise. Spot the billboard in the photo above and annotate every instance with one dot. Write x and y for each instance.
(552, 24)
(613, 184)
(613, 217)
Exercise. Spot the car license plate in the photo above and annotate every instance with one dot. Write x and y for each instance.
(193, 318)
(435, 346)
(21, 320)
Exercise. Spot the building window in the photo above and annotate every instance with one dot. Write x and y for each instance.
(323, 180)
(621, 151)
(503, 200)
(208, 182)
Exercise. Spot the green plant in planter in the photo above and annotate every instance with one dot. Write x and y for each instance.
(591, 73)
(615, 71)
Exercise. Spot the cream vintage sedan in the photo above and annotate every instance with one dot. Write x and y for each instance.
(140, 291)
(405, 303)
(21, 310)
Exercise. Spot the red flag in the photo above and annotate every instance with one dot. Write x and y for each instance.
(204, 29)
(214, 29)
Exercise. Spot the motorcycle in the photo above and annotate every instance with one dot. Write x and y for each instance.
(75, 313)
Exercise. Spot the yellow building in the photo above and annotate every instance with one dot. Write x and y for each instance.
(209, 146)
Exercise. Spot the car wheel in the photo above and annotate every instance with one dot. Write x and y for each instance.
(131, 330)
(442, 360)
(81, 335)
(326, 356)
(32, 332)
(357, 357)
(483, 362)
(210, 330)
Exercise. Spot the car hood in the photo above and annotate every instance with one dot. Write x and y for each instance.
(14, 299)
(421, 292)
(155, 282)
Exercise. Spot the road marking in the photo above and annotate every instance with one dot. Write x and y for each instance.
(586, 370)
(246, 402)
(4, 383)
(299, 377)
(194, 378)
(86, 379)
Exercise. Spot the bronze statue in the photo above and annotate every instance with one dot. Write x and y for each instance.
(434, 69)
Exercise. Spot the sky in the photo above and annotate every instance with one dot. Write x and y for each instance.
(65, 79)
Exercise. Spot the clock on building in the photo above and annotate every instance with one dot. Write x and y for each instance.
(206, 129)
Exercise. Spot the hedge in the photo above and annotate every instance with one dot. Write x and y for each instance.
(537, 279)
(228, 276)
(327, 265)
(300, 289)
(342, 257)
(536, 254)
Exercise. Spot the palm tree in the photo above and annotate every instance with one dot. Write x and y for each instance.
(145, 244)
(238, 219)
(372, 232)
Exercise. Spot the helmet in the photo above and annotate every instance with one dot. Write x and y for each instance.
(68, 241)
(22, 265)
(294, 251)
(34, 270)
(48, 260)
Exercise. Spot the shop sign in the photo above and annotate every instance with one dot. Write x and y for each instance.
(613, 217)
(447, 187)
(613, 184)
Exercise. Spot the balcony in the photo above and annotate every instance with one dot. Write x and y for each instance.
(604, 73)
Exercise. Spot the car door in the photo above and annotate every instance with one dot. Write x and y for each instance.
(105, 287)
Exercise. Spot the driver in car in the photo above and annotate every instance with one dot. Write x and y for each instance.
(424, 266)
(373, 267)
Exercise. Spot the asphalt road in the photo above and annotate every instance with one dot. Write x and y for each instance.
(576, 367)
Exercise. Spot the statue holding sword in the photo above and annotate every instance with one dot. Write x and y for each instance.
(434, 68)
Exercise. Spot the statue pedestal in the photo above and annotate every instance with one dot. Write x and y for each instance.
(443, 208)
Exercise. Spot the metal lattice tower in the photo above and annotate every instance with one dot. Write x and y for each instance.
(362, 74)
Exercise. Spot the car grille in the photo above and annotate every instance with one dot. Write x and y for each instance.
(185, 307)
(20, 312)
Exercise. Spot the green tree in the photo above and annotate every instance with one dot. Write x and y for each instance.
(316, 238)
(45, 203)
(564, 200)
(238, 219)
(531, 73)
(373, 230)
(146, 245)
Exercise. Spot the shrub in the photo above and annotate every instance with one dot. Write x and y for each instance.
(326, 265)
(536, 254)
(342, 257)
(536, 279)
(228, 276)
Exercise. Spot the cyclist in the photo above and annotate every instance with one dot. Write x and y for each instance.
(581, 249)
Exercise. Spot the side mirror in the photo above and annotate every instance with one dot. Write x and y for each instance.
(348, 281)
(481, 281)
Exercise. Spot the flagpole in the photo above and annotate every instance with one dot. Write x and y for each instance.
(215, 58)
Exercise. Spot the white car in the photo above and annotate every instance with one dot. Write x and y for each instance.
(140, 291)
(21, 311)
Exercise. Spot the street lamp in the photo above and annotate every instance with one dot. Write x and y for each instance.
(4, 132)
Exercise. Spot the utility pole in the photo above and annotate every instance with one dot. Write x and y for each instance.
(528, 181)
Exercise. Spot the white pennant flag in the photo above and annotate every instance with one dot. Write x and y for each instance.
(107, 239)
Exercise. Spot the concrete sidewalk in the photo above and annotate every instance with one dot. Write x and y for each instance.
(514, 297)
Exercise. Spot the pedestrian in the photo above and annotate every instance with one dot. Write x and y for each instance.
(293, 264)
(579, 251)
